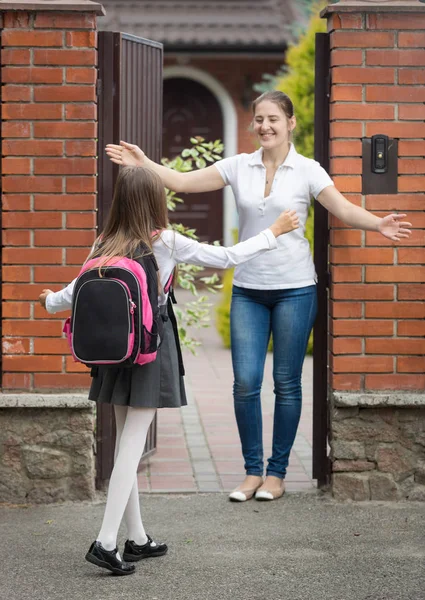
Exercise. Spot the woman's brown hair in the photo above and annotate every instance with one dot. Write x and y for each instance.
(137, 216)
(282, 100)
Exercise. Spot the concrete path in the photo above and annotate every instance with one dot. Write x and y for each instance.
(302, 547)
(198, 446)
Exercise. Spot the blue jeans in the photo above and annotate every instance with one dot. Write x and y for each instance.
(288, 315)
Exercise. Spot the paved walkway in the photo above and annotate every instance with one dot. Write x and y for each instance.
(198, 445)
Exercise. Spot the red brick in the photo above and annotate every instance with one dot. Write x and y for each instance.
(408, 39)
(16, 201)
(81, 75)
(411, 166)
(410, 148)
(65, 93)
(362, 75)
(54, 274)
(66, 57)
(16, 19)
(346, 57)
(345, 237)
(362, 292)
(411, 112)
(40, 313)
(16, 274)
(80, 111)
(45, 381)
(396, 130)
(16, 310)
(79, 148)
(65, 202)
(16, 130)
(346, 166)
(32, 184)
(50, 20)
(15, 57)
(51, 346)
(339, 148)
(362, 327)
(16, 93)
(16, 381)
(411, 292)
(396, 20)
(362, 256)
(413, 256)
(411, 364)
(32, 363)
(65, 166)
(395, 274)
(346, 274)
(71, 366)
(395, 346)
(361, 112)
(412, 328)
(63, 238)
(411, 76)
(81, 39)
(346, 346)
(348, 183)
(345, 21)
(346, 130)
(363, 39)
(395, 382)
(402, 58)
(362, 364)
(395, 202)
(345, 310)
(26, 256)
(16, 238)
(32, 38)
(32, 111)
(32, 328)
(411, 184)
(394, 310)
(81, 220)
(22, 220)
(64, 130)
(81, 185)
(14, 166)
(31, 75)
(383, 93)
(76, 256)
(32, 148)
(15, 345)
(416, 239)
(346, 382)
(346, 93)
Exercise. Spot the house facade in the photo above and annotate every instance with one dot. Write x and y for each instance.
(213, 54)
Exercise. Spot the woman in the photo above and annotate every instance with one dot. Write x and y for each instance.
(276, 294)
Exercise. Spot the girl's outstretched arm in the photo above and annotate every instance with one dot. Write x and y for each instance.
(203, 180)
(57, 301)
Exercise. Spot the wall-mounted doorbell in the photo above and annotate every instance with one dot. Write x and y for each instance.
(379, 165)
(379, 153)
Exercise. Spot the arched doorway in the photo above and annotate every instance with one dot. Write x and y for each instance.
(191, 109)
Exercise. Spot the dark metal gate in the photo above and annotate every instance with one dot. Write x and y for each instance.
(321, 466)
(130, 109)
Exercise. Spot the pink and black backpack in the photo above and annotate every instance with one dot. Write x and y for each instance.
(115, 318)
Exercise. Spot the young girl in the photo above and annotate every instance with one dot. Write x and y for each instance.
(138, 209)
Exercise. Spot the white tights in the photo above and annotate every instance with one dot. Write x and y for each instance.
(132, 426)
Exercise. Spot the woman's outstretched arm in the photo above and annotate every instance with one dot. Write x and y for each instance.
(202, 180)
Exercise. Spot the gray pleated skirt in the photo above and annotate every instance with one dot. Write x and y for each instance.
(158, 384)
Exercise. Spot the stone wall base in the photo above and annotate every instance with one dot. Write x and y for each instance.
(378, 447)
(46, 448)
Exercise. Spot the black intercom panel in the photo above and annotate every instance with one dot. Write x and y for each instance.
(379, 165)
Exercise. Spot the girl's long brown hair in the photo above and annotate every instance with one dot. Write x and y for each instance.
(139, 209)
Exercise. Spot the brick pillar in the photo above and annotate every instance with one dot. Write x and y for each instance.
(377, 310)
(48, 180)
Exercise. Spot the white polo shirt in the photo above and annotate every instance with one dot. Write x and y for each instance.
(296, 181)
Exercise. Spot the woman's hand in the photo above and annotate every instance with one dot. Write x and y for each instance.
(287, 221)
(127, 155)
(392, 228)
(42, 297)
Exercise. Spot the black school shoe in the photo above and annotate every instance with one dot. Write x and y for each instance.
(108, 559)
(133, 552)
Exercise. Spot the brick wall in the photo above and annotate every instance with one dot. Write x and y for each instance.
(49, 186)
(377, 326)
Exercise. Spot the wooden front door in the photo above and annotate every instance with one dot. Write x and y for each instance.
(190, 110)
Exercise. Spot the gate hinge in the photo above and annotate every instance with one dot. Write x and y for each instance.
(328, 280)
(98, 87)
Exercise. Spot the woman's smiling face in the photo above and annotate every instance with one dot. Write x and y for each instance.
(271, 126)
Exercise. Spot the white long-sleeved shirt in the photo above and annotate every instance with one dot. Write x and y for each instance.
(172, 248)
